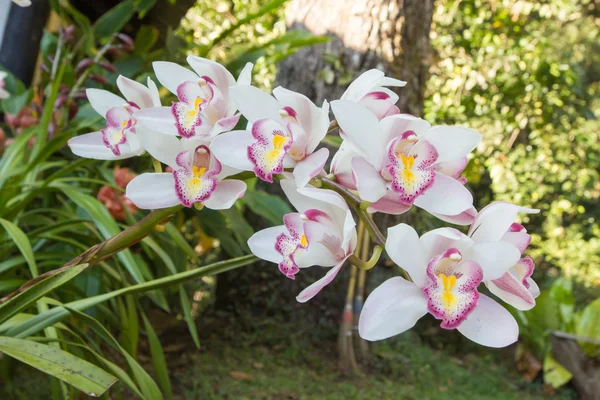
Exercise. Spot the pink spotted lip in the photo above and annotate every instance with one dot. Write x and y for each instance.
(196, 180)
(193, 97)
(452, 288)
(272, 143)
(410, 166)
(119, 123)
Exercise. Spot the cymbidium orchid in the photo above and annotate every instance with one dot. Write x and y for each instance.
(496, 223)
(402, 161)
(446, 267)
(118, 139)
(321, 233)
(4, 94)
(369, 91)
(197, 177)
(283, 132)
(204, 107)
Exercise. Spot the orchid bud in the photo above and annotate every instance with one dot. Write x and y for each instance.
(73, 108)
(128, 43)
(84, 64)
(2, 137)
(109, 67)
(99, 78)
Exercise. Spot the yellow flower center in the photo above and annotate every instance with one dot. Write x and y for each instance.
(448, 298)
(197, 174)
(278, 142)
(303, 241)
(407, 163)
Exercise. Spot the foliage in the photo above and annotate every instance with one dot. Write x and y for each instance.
(525, 74)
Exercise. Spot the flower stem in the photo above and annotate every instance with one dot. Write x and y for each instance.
(157, 165)
(367, 265)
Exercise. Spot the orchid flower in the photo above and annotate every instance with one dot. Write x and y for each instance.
(493, 223)
(204, 107)
(283, 132)
(446, 268)
(197, 177)
(368, 90)
(118, 139)
(322, 233)
(3, 93)
(22, 3)
(402, 160)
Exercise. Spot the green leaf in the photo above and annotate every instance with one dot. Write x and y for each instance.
(40, 289)
(77, 372)
(561, 292)
(239, 226)
(588, 325)
(554, 373)
(180, 241)
(56, 314)
(16, 102)
(268, 206)
(22, 242)
(146, 384)
(114, 19)
(187, 314)
(145, 39)
(158, 358)
(143, 6)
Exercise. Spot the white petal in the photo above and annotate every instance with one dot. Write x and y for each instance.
(493, 221)
(405, 249)
(226, 194)
(317, 253)
(171, 75)
(464, 218)
(361, 126)
(395, 125)
(387, 81)
(255, 104)
(363, 85)
(371, 186)
(314, 289)
(215, 71)
(392, 308)
(446, 196)
(310, 167)
(152, 191)
(245, 77)
(489, 324)
(160, 146)
(135, 92)
(103, 100)
(159, 119)
(517, 294)
(231, 148)
(262, 243)
(154, 92)
(91, 145)
(437, 241)
(494, 258)
(452, 142)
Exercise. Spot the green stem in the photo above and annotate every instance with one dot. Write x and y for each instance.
(365, 266)
(157, 165)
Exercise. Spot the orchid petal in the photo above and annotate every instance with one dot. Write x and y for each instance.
(395, 125)
(262, 243)
(164, 148)
(512, 291)
(452, 142)
(495, 258)
(231, 149)
(224, 125)
(245, 77)
(446, 196)
(103, 100)
(391, 309)
(135, 92)
(255, 104)
(152, 191)
(490, 324)
(363, 85)
(310, 167)
(437, 241)
(215, 71)
(154, 93)
(389, 204)
(226, 194)
(91, 145)
(464, 218)
(159, 119)
(405, 249)
(171, 75)
(314, 289)
(371, 186)
(493, 221)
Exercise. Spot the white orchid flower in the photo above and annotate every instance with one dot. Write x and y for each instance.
(369, 91)
(283, 132)
(205, 108)
(321, 233)
(446, 267)
(496, 222)
(118, 139)
(402, 160)
(197, 177)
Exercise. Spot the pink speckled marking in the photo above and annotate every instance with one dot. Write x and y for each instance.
(187, 93)
(119, 123)
(188, 190)
(264, 131)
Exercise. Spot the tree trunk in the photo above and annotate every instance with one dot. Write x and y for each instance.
(391, 35)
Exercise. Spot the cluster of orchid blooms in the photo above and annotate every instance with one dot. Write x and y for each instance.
(387, 163)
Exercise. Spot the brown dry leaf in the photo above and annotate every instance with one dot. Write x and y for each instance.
(528, 366)
(240, 376)
(258, 365)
